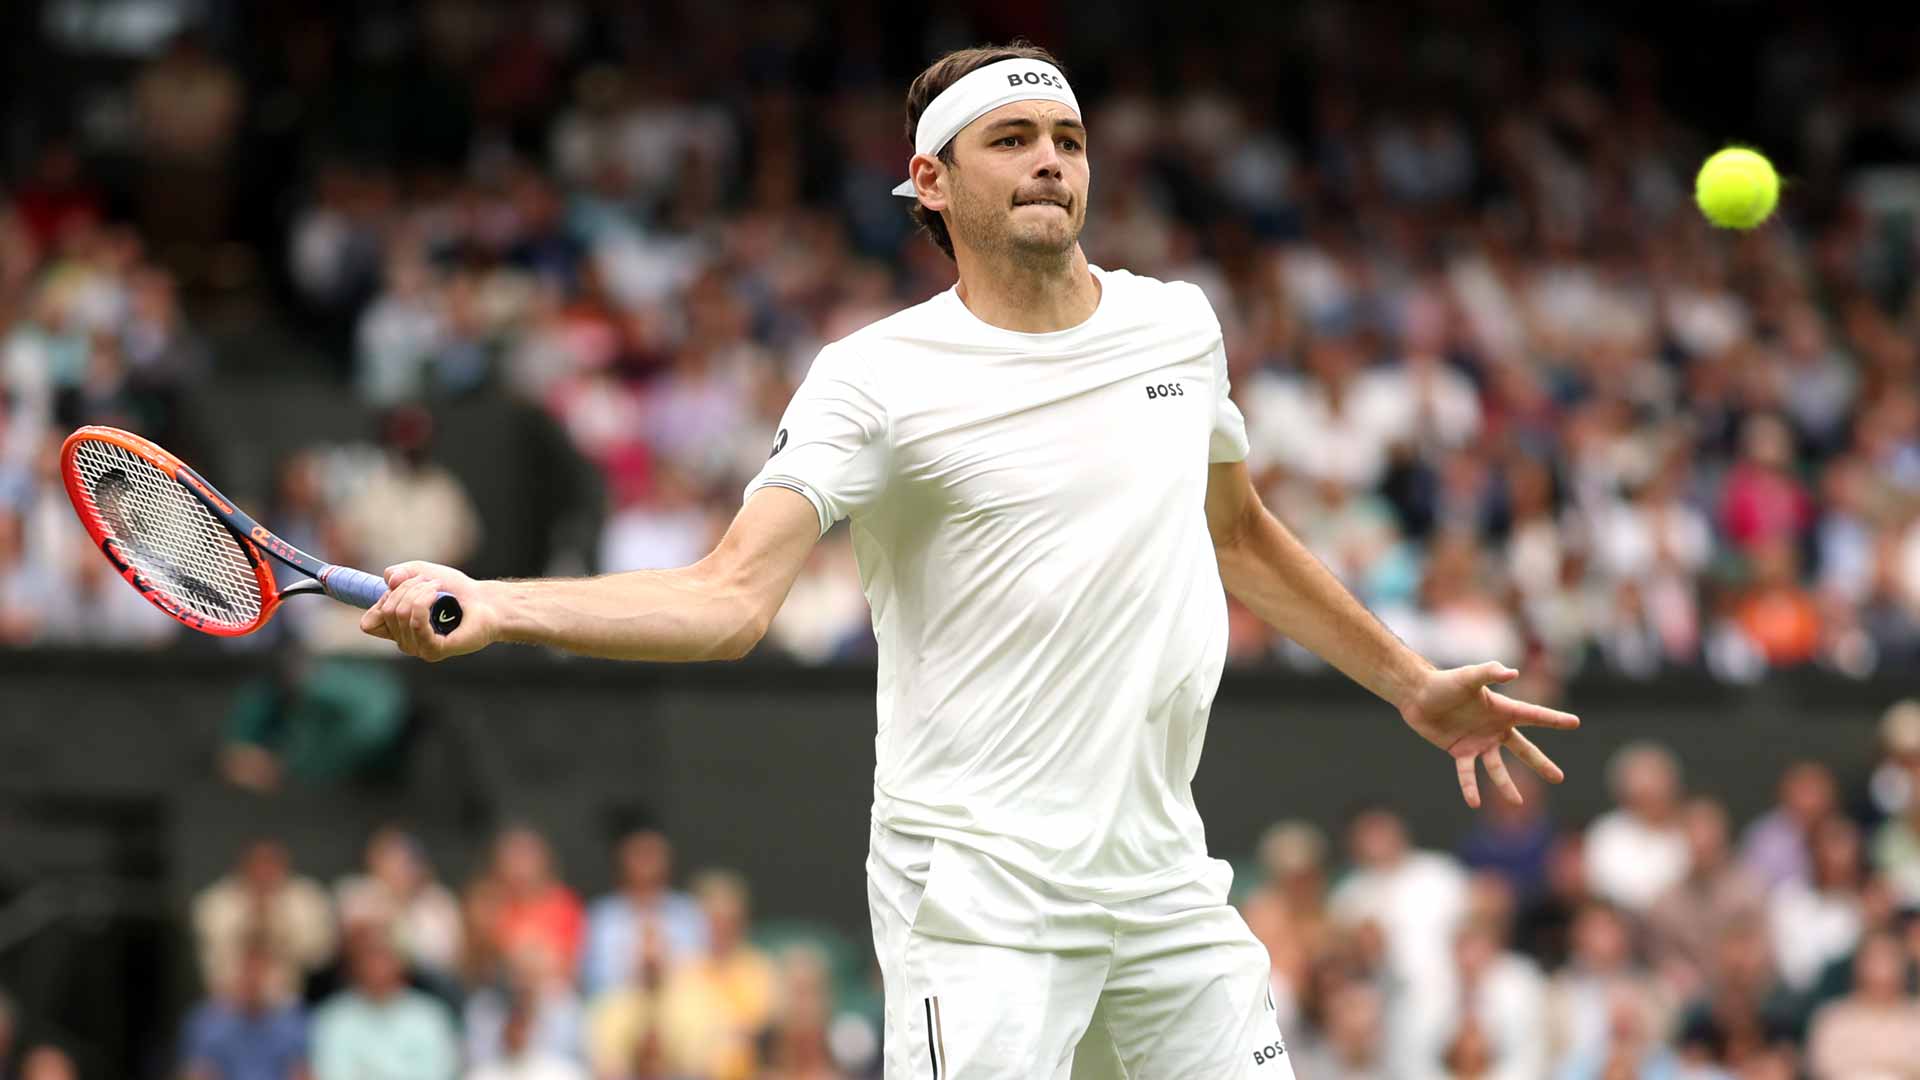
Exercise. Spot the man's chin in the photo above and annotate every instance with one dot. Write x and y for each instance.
(1050, 238)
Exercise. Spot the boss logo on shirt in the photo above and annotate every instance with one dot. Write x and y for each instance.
(1268, 1053)
(779, 442)
(1166, 390)
(1035, 78)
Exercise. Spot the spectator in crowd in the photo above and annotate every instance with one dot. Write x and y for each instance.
(1416, 898)
(1775, 845)
(408, 506)
(337, 976)
(22, 585)
(1894, 784)
(314, 720)
(615, 922)
(1764, 504)
(796, 1043)
(520, 1056)
(1352, 1048)
(1778, 615)
(1288, 911)
(378, 1026)
(1513, 840)
(1544, 926)
(520, 901)
(1896, 843)
(244, 1031)
(1745, 1013)
(397, 888)
(1683, 923)
(1818, 922)
(1638, 850)
(1501, 999)
(627, 1021)
(534, 982)
(717, 1003)
(1632, 1048)
(1878, 915)
(1585, 996)
(663, 525)
(262, 900)
(1875, 1031)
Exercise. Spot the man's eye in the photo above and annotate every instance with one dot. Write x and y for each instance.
(1008, 140)
(1071, 144)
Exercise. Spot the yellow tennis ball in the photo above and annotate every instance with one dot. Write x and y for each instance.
(1737, 188)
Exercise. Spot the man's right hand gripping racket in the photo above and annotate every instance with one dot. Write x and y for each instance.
(188, 549)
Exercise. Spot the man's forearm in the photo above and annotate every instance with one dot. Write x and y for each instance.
(663, 615)
(1276, 577)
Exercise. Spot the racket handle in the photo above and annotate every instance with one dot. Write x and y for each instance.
(363, 590)
(445, 614)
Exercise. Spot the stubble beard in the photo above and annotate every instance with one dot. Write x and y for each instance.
(996, 234)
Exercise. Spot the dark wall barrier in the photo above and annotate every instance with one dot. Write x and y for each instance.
(767, 767)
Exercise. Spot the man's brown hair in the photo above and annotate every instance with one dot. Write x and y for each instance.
(940, 74)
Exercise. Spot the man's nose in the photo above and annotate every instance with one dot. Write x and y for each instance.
(1047, 159)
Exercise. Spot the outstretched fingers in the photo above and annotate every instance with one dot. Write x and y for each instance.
(1535, 758)
(1469, 780)
(1502, 780)
(1515, 711)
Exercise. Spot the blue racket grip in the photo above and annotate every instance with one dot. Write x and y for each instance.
(363, 590)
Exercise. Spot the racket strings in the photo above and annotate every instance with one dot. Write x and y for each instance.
(169, 537)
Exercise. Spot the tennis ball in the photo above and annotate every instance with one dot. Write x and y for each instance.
(1737, 188)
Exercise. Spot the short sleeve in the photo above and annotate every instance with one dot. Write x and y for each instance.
(832, 443)
(1229, 439)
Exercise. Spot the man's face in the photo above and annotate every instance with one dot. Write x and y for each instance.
(1018, 183)
(377, 968)
(645, 861)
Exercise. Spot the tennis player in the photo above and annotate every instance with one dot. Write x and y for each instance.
(1046, 482)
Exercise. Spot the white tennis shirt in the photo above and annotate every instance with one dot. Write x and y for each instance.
(1028, 514)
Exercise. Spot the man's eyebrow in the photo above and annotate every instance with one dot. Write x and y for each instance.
(1067, 122)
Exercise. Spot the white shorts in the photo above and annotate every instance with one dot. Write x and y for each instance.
(991, 974)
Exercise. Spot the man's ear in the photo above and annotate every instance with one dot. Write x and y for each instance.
(928, 178)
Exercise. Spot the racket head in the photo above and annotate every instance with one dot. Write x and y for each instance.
(132, 497)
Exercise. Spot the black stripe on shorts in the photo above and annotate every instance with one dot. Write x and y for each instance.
(933, 1058)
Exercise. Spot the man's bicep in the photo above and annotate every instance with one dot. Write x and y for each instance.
(1231, 501)
(765, 547)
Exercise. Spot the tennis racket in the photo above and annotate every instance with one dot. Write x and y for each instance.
(188, 549)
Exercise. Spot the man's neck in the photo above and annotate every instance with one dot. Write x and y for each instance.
(1027, 297)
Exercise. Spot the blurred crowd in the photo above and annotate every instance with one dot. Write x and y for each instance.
(1496, 370)
(1660, 940)
(389, 973)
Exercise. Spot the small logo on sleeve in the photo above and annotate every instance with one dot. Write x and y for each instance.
(779, 442)
(1268, 1053)
(1160, 390)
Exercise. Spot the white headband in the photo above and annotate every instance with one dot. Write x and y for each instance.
(978, 93)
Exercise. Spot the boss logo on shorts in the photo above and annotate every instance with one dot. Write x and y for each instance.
(1160, 390)
(1268, 1053)
(1035, 78)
